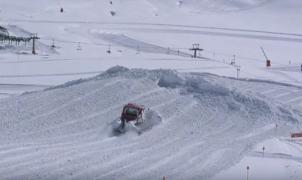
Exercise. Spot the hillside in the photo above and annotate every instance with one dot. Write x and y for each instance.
(208, 117)
(152, 34)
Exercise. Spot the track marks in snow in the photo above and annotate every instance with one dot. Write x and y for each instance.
(282, 93)
(92, 117)
(74, 142)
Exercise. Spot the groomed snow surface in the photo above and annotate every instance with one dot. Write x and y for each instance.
(201, 121)
(205, 127)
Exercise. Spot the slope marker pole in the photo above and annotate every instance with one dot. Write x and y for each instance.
(247, 172)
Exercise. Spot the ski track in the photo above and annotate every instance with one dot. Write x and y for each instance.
(65, 132)
(212, 33)
(91, 116)
(125, 41)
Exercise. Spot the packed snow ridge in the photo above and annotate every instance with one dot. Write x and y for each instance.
(204, 127)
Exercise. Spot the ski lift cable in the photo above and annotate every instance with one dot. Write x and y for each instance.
(74, 42)
(97, 58)
(171, 48)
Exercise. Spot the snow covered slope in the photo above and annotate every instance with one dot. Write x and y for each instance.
(280, 160)
(213, 5)
(149, 33)
(65, 132)
(210, 126)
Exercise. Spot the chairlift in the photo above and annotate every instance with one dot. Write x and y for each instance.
(53, 44)
(109, 49)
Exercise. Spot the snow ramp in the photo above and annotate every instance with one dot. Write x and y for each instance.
(64, 132)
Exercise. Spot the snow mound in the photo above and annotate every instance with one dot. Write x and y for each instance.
(196, 128)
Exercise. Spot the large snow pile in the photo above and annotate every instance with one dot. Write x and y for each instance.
(65, 132)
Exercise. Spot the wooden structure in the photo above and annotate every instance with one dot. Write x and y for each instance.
(12, 39)
(3, 31)
(5, 37)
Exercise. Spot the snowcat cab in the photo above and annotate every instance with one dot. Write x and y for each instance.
(132, 112)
